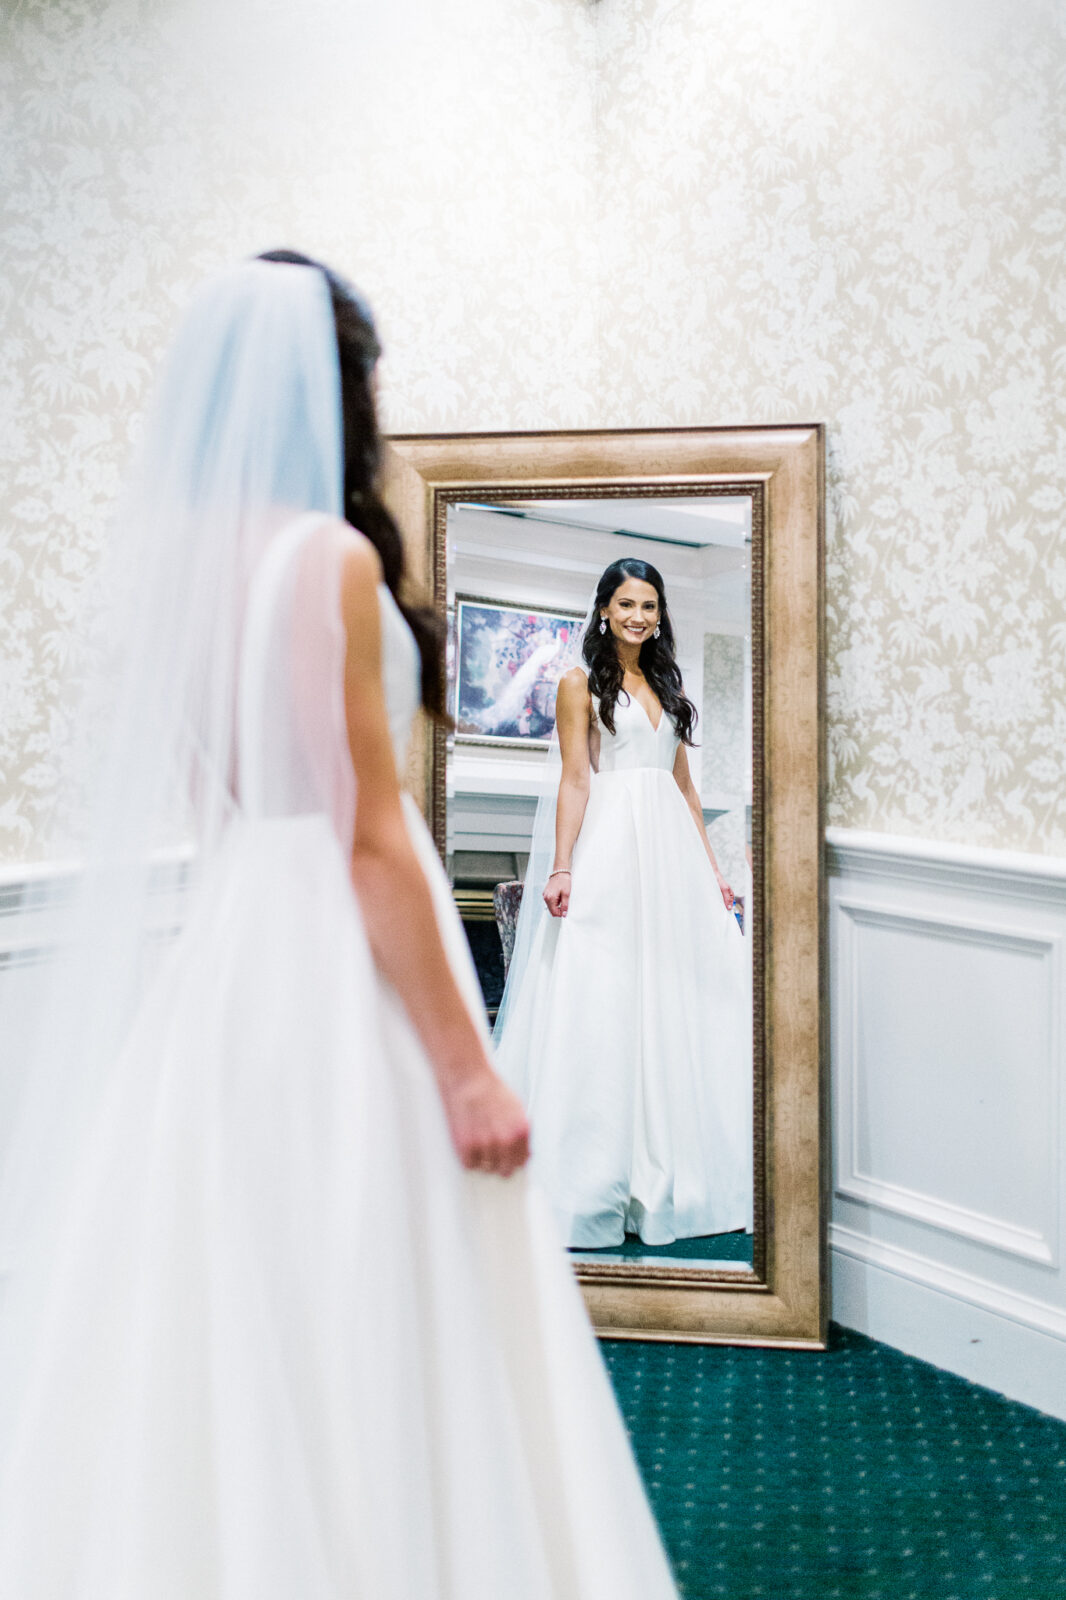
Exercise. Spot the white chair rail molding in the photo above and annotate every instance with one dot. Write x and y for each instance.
(948, 1074)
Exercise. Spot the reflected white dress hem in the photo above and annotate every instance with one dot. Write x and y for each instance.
(604, 1232)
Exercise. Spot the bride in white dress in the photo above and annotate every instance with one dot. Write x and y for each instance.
(626, 1024)
(264, 1334)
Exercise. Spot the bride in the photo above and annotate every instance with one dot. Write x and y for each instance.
(626, 1022)
(283, 1315)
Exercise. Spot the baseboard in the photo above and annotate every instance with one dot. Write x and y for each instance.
(919, 1308)
(947, 971)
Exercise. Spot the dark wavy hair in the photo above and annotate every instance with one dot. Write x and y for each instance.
(358, 349)
(657, 658)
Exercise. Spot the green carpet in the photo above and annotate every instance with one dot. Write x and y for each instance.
(710, 1247)
(856, 1473)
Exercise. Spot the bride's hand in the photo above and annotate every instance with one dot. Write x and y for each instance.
(557, 894)
(488, 1125)
(727, 894)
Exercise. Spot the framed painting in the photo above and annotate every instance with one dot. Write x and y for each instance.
(505, 663)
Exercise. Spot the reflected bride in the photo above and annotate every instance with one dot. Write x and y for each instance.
(626, 1024)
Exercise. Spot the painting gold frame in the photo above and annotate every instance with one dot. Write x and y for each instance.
(782, 1299)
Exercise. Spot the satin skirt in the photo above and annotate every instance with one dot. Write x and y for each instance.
(630, 1037)
(287, 1349)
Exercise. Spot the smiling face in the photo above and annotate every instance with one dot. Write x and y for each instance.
(632, 612)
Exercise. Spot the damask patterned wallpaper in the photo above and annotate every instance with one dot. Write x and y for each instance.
(855, 213)
(432, 148)
(572, 213)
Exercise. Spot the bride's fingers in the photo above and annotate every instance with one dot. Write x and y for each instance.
(479, 1151)
(511, 1161)
(515, 1154)
(490, 1129)
(557, 901)
(499, 1156)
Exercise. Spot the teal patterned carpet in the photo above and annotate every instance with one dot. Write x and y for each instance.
(710, 1247)
(855, 1473)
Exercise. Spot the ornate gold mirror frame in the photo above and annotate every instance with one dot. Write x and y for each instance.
(782, 1299)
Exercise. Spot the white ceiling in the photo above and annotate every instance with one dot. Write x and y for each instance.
(699, 521)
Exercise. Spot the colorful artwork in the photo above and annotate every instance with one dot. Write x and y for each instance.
(505, 670)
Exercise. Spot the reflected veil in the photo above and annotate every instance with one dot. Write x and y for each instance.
(542, 841)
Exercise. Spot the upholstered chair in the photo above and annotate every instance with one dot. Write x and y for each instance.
(506, 899)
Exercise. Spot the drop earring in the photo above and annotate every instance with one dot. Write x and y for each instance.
(655, 635)
(603, 625)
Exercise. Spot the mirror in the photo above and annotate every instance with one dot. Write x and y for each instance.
(628, 1030)
(666, 1031)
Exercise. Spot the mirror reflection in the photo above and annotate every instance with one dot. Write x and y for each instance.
(598, 838)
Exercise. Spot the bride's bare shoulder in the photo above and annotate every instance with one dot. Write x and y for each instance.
(360, 563)
(573, 691)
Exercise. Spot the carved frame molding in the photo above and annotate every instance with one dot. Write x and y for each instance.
(782, 1300)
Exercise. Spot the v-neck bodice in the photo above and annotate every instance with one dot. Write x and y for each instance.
(636, 741)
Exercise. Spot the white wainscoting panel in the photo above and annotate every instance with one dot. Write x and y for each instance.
(948, 1075)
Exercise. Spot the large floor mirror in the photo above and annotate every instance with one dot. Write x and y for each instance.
(629, 806)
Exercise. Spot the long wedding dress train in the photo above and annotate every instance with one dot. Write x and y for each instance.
(288, 1349)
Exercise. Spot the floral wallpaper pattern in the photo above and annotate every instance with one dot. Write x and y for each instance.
(593, 213)
(856, 213)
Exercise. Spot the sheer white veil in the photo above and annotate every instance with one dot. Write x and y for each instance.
(244, 434)
(533, 911)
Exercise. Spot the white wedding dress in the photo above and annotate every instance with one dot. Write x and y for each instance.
(630, 1035)
(288, 1348)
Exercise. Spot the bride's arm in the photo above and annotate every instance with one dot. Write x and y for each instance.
(572, 712)
(683, 779)
(487, 1122)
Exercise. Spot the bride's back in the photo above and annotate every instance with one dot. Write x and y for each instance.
(292, 753)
